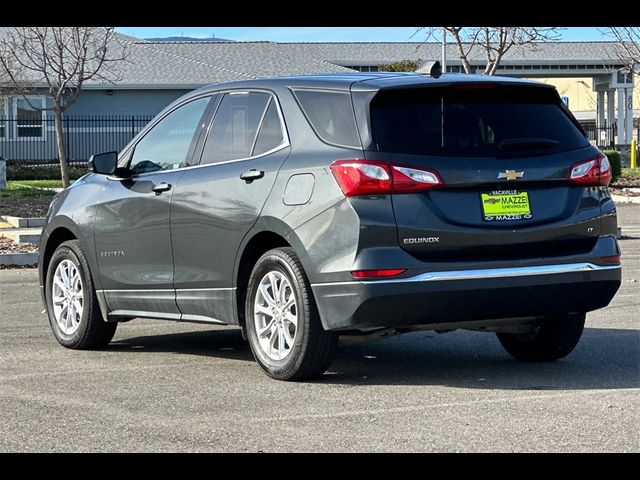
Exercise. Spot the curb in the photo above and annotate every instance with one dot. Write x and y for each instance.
(19, 222)
(622, 200)
(23, 235)
(18, 258)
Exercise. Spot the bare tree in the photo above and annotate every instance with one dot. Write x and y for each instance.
(7, 86)
(493, 42)
(59, 60)
(628, 44)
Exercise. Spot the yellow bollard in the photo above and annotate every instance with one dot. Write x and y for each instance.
(634, 153)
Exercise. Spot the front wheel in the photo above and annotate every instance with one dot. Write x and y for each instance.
(554, 338)
(72, 305)
(282, 321)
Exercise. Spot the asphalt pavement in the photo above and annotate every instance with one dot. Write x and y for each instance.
(165, 386)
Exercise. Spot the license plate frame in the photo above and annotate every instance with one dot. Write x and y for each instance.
(505, 205)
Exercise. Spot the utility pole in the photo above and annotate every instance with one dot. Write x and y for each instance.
(444, 50)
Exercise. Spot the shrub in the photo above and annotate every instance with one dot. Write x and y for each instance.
(616, 163)
(25, 171)
(401, 66)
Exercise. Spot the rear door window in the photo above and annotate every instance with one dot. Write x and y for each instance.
(331, 116)
(235, 127)
(472, 121)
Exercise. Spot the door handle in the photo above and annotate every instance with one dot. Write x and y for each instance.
(161, 187)
(251, 175)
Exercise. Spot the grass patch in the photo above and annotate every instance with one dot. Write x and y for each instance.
(14, 189)
(40, 183)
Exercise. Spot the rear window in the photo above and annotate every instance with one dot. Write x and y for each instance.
(472, 121)
(330, 115)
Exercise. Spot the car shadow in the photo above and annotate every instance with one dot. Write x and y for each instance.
(604, 359)
(227, 343)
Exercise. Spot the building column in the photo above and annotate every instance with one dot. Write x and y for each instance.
(611, 116)
(600, 121)
(622, 133)
(628, 124)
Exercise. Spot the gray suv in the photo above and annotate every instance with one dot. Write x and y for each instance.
(304, 208)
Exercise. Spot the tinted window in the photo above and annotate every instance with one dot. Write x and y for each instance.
(234, 128)
(166, 145)
(270, 134)
(475, 121)
(331, 116)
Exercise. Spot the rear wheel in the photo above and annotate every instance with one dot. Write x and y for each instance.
(72, 305)
(555, 337)
(282, 321)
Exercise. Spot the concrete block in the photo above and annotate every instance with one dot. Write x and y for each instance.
(18, 258)
(23, 235)
(19, 222)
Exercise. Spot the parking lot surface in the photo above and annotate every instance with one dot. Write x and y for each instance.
(166, 386)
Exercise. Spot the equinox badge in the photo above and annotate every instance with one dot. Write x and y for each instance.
(510, 175)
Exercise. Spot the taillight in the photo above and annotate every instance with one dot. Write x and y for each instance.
(593, 172)
(370, 177)
(407, 179)
(360, 177)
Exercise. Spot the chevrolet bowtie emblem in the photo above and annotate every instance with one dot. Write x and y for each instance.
(510, 175)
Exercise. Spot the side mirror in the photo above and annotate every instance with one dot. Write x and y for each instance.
(104, 163)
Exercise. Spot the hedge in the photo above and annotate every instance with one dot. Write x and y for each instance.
(24, 171)
(616, 163)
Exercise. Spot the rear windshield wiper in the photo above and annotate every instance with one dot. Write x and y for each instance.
(526, 143)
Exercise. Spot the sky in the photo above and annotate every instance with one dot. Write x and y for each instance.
(321, 34)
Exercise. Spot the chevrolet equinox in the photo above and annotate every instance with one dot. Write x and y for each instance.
(304, 208)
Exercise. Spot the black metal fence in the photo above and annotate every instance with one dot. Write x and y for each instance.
(34, 141)
(601, 136)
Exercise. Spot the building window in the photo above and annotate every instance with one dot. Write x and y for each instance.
(364, 68)
(3, 117)
(29, 114)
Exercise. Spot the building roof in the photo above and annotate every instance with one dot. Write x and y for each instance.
(211, 62)
(354, 53)
(188, 64)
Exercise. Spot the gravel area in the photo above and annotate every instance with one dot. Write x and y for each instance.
(626, 192)
(9, 246)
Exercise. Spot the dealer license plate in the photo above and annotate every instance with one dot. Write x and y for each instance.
(505, 205)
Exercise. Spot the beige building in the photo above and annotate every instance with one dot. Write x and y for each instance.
(580, 93)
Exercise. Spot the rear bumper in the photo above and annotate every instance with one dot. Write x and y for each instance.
(466, 295)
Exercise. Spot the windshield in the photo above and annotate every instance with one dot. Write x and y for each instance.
(472, 120)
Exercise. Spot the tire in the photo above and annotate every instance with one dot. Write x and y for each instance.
(554, 338)
(84, 331)
(286, 351)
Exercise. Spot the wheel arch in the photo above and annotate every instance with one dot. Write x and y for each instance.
(254, 247)
(53, 240)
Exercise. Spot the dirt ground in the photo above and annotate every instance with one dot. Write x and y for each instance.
(29, 207)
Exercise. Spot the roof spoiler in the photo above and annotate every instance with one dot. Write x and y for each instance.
(433, 69)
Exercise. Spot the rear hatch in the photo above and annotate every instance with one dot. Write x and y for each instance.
(504, 153)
